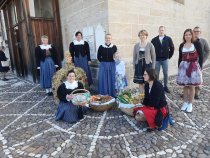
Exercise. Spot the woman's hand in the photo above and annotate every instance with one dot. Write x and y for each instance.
(70, 96)
(89, 62)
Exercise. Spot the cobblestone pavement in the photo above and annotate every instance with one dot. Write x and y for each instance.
(28, 128)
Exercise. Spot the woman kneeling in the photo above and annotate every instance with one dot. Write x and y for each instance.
(154, 100)
(67, 111)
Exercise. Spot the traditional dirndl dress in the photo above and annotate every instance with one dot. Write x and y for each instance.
(189, 71)
(82, 62)
(140, 67)
(69, 112)
(106, 78)
(121, 82)
(47, 69)
(120, 77)
(150, 113)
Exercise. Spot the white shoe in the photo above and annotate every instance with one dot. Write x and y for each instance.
(184, 106)
(189, 108)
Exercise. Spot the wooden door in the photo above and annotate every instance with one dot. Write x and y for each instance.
(13, 32)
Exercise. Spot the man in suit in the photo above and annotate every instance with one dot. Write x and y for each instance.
(164, 49)
(205, 49)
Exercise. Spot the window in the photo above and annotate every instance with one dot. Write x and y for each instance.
(21, 10)
(180, 1)
(41, 8)
(14, 14)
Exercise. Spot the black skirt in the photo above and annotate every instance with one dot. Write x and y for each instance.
(139, 71)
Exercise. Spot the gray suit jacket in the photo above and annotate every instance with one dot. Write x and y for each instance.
(205, 49)
(150, 56)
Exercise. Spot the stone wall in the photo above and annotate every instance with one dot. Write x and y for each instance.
(127, 18)
(78, 14)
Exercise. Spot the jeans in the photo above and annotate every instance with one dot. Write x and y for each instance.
(164, 65)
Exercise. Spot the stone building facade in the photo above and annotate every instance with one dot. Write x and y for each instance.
(125, 18)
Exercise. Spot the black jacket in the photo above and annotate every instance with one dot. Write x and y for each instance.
(63, 91)
(3, 58)
(106, 54)
(164, 50)
(41, 55)
(81, 49)
(199, 50)
(156, 97)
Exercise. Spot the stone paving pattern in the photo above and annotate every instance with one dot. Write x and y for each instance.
(28, 128)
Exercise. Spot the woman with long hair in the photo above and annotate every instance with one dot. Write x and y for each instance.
(189, 68)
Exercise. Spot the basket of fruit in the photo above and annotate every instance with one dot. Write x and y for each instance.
(101, 102)
(81, 97)
(127, 101)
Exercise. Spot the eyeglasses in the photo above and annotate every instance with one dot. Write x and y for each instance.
(145, 75)
(196, 31)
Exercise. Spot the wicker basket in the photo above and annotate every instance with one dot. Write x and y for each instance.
(104, 106)
(125, 109)
(81, 99)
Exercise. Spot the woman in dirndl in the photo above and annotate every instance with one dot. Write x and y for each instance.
(143, 57)
(154, 100)
(46, 61)
(106, 75)
(67, 111)
(189, 68)
(80, 53)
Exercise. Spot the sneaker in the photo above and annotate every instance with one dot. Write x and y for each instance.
(189, 108)
(166, 90)
(5, 79)
(184, 106)
(196, 96)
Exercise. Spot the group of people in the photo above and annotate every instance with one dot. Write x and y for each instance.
(148, 58)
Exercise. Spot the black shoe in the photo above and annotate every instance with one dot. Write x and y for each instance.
(150, 129)
(196, 96)
(166, 90)
(5, 79)
(49, 93)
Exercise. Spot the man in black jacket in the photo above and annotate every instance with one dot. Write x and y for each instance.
(164, 49)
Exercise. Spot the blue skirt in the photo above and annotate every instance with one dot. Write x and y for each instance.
(106, 79)
(47, 70)
(69, 112)
(82, 62)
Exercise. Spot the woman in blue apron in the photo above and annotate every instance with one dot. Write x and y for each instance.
(47, 63)
(80, 53)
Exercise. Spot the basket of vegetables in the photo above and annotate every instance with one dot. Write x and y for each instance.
(102, 102)
(128, 101)
(81, 97)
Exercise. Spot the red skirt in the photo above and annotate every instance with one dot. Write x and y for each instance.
(150, 113)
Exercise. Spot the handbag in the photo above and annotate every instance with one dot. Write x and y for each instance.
(5, 63)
